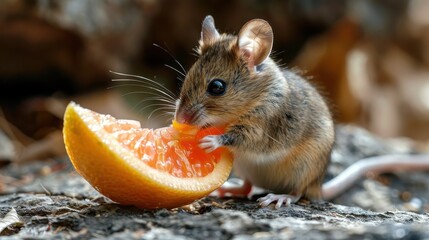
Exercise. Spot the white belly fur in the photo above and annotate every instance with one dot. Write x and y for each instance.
(262, 170)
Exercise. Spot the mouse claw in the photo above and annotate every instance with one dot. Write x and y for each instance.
(210, 143)
(280, 199)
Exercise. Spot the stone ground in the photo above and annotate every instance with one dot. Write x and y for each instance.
(53, 202)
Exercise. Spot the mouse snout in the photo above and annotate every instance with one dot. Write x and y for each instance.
(183, 116)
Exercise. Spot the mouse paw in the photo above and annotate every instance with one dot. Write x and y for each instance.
(279, 198)
(210, 143)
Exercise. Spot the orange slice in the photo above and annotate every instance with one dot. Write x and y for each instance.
(147, 168)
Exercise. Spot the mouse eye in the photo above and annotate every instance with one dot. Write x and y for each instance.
(217, 87)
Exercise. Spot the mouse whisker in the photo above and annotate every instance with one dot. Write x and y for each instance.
(174, 69)
(161, 106)
(170, 106)
(161, 99)
(165, 98)
(168, 113)
(164, 118)
(140, 78)
(171, 55)
(139, 83)
(160, 91)
(157, 109)
(179, 78)
(195, 52)
(169, 116)
(152, 85)
(154, 97)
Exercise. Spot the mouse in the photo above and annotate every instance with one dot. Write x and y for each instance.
(279, 127)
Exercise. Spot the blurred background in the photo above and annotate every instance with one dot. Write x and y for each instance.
(369, 58)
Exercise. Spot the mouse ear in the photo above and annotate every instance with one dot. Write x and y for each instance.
(209, 34)
(255, 40)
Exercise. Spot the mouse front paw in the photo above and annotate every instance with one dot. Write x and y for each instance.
(210, 143)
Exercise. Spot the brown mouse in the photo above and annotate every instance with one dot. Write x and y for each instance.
(278, 127)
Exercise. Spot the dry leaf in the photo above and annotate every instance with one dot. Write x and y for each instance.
(11, 219)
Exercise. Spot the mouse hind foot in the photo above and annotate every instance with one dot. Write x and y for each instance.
(280, 199)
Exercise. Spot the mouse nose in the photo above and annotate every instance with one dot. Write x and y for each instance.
(185, 117)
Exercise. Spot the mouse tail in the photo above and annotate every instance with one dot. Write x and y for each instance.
(373, 165)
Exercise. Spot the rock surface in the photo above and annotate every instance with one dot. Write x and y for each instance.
(54, 202)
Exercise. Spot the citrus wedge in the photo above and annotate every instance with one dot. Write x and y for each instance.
(147, 168)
